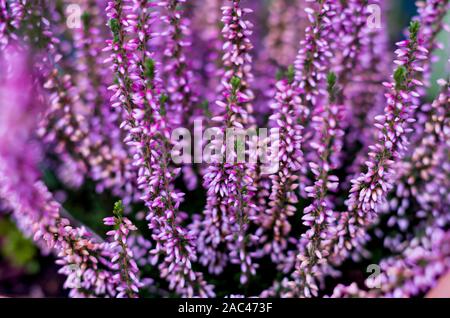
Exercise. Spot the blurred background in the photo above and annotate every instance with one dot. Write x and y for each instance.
(26, 273)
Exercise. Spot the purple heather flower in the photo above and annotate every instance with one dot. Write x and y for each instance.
(315, 52)
(376, 148)
(428, 158)
(11, 17)
(121, 254)
(311, 65)
(287, 22)
(353, 29)
(365, 97)
(108, 160)
(369, 190)
(327, 122)
(424, 174)
(148, 131)
(178, 71)
(16, 129)
(431, 14)
(62, 126)
(177, 66)
(229, 199)
(37, 214)
(288, 110)
(409, 274)
(207, 48)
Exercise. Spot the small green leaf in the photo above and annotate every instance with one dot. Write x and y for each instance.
(118, 208)
(235, 83)
(414, 28)
(115, 28)
(331, 80)
(205, 107)
(114, 25)
(279, 75)
(162, 101)
(149, 71)
(332, 86)
(86, 18)
(400, 77)
(290, 74)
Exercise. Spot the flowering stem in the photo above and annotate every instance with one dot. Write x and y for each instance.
(122, 256)
(371, 187)
(319, 215)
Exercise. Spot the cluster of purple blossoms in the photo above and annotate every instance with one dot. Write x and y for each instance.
(409, 274)
(320, 214)
(122, 256)
(82, 257)
(363, 90)
(362, 152)
(288, 111)
(229, 183)
(313, 58)
(370, 188)
(148, 131)
(11, 15)
(179, 74)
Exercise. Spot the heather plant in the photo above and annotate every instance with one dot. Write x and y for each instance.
(211, 148)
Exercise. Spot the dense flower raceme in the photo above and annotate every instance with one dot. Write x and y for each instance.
(365, 192)
(315, 50)
(82, 259)
(107, 157)
(122, 255)
(424, 178)
(312, 64)
(432, 14)
(149, 132)
(288, 111)
(206, 48)
(319, 216)
(11, 14)
(229, 184)
(413, 272)
(369, 73)
(179, 74)
(94, 101)
(78, 103)
(370, 188)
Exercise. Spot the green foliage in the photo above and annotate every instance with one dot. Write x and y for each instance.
(205, 107)
(235, 83)
(114, 25)
(115, 28)
(414, 28)
(331, 81)
(331, 86)
(400, 77)
(118, 209)
(86, 18)
(149, 69)
(16, 248)
(290, 74)
(163, 101)
(279, 75)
